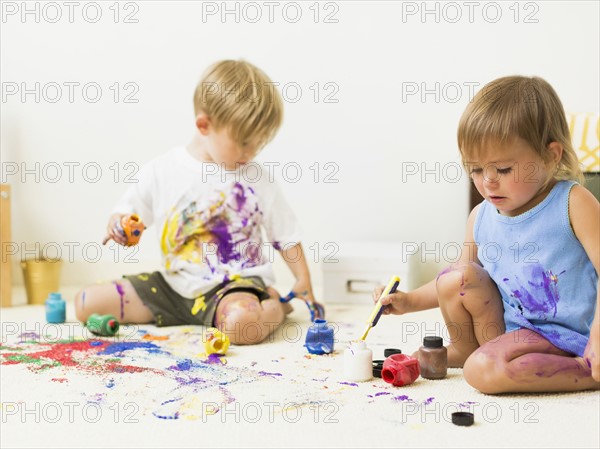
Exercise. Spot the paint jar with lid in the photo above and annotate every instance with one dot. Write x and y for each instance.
(56, 308)
(358, 362)
(319, 338)
(400, 370)
(433, 358)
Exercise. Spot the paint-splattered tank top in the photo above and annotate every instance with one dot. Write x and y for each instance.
(547, 281)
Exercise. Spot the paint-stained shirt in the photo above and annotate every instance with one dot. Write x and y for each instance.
(547, 282)
(210, 220)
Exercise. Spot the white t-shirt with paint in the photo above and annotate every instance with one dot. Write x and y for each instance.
(209, 219)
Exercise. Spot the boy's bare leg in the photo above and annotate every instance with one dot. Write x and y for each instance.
(524, 361)
(472, 309)
(117, 298)
(246, 320)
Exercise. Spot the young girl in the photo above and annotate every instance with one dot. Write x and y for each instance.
(519, 305)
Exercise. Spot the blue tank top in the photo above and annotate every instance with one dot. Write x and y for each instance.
(547, 282)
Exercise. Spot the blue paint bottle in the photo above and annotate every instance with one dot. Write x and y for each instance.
(319, 338)
(56, 308)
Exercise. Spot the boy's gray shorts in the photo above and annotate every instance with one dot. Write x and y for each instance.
(171, 309)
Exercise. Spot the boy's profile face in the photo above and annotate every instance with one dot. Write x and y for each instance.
(219, 146)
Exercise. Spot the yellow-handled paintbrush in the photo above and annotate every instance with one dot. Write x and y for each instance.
(378, 309)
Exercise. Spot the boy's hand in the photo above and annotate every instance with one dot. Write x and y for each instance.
(394, 304)
(591, 355)
(113, 230)
(303, 291)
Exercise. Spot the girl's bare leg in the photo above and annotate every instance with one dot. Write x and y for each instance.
(472, 309)
(524, 361)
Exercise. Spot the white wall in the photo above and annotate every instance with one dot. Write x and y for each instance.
(373, 52)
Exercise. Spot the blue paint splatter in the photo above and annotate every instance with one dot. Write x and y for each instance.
(264, 373)
(110, 383)
(184, 365)
(118, 348)
(167, 414)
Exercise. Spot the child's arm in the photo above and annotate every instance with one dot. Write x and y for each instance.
(425, 297)
(295, 260)
(584, 214)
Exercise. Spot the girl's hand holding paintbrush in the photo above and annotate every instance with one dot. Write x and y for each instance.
(394, 304)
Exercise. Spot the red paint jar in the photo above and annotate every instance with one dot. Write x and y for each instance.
(400, 369)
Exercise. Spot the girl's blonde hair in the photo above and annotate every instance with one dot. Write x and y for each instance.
(240, 97)
(518, 106)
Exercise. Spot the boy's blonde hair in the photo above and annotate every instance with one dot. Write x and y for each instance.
(240, 97)
(518, 106)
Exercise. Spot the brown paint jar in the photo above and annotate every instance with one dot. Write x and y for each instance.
(433, 358)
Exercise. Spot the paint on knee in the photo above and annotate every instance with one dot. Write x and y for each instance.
(450, 282)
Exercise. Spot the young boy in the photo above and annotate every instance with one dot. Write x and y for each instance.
(209, 212)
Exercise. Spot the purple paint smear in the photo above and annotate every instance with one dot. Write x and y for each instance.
(401, 398)
(428, 400)
(121, 293)
(239, 196)
(352, 384)
(83, 300)
(540, 294)
(444, 271)
(214, 359)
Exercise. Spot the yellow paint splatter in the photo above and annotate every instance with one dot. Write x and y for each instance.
(143, 277)
(199, 304)
(153, 289)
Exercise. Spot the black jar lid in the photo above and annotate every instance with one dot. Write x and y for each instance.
(433, 342)
(463, 418)
(377, 367)
(391, 351)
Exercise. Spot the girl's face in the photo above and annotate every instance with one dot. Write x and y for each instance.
(512, 177)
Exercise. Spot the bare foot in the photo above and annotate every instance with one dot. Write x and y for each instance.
(287, 308)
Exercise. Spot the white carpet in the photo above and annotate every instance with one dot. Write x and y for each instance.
(273, 394)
